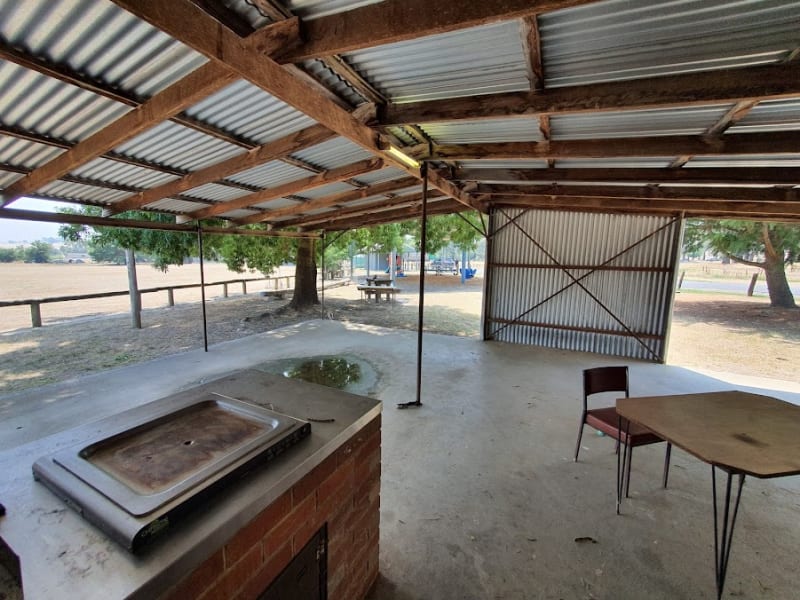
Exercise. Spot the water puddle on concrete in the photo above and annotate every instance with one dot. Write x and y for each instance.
(347, 373)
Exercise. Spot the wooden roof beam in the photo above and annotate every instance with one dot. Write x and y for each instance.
(441, 206)
(328, 201)
(294, 187)
(766, 82)
(193, 27)
(393, 21)
(271, 151)
(635, 147)
(753, 210)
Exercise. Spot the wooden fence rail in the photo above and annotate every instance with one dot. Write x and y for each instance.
(35, 303)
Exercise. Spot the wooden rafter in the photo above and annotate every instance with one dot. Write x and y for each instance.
(643, 147)
(294, 187)
(442, 206)
(334, 200)
(732, 194)
(769, 82)
(699, 208)
(198, 84)
(398, 20)
(190, 25)
(270, 151)
(531, 45)
(731, 176)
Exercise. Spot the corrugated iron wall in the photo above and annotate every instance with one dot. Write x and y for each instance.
(591, 282)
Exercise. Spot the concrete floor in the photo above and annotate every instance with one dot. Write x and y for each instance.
(480, 496)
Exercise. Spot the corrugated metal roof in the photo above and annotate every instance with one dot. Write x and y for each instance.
(178, 147)
(313, 9)
(22, 153)
(480, 60)
(115, 172)
(99, 39)
(624, 39)
(326, 190)
(636, 123)
(381, 176)
(477, 132)
(320, 71)
(38, 103)
(176, 206)
(7, 178)
(217, 192)
(774, 115)
(248, 11)
(249, 112)
(239, 214)
(401, 134)
(85, 193)
(269, 175)
(775, 160)
(503, 164)
(334, 153)
(615, 163)
(277, 203)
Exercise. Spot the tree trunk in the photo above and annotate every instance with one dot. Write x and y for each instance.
(133, 289)
(305, 276)
(780, 294)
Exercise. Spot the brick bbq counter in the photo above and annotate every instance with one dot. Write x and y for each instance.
(244, 537)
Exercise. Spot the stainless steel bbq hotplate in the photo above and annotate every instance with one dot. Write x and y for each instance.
(151, 470)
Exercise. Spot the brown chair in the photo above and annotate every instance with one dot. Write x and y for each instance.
(615, 379)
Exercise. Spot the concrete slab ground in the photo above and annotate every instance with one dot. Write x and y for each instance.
(480, 496)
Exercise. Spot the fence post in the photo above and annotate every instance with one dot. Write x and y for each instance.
(36, 315)
(244, 287)
(170, 297)
(752, 286)
(680, 280)
(224, 290)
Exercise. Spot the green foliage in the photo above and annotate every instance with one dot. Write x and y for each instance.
(7, 255)
(166, 247)
(107, 254)
(446, 229)
(740, 240)
(254, 253)
(38, 252)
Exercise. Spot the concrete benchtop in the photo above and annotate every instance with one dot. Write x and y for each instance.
(63, 556)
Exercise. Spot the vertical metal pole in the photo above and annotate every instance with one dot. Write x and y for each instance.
(323, 272)
(423, 248)
(202, 286)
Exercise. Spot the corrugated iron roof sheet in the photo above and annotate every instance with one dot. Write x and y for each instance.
(477, 132)
(7, 178)
(178, 147)
(480, 60)
(173, 205)
(503, 164)
(270, 175)
(320, 71)
(22, 153)
(636, 123)
(34, 102)
(250, 113)
(334, 153)
(78, 191)
(313, 9)
(99, 39)
(115, 172)
(773, 115)
(326, 190)
(775, 160)
(381, 176)
(615, 163)
(216, 192)
(616, 40)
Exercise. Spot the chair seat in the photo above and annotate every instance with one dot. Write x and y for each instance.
(607, 421)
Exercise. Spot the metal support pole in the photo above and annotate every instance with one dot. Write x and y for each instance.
(323, 272)
(423, 244)
(202, 286)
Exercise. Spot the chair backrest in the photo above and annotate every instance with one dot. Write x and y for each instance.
(604, 379)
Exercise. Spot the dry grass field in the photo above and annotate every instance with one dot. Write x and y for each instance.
(710, 331)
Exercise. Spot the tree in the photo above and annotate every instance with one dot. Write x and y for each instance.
(745, 242)
(38, 252)
(107, 253)
(7, 255)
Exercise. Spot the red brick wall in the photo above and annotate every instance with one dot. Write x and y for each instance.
(344, 491)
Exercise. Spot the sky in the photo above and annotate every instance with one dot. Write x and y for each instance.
(20, 231)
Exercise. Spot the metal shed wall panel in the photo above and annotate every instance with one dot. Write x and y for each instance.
(547, 308)
(617, 40)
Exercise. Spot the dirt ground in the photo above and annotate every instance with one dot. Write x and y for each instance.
(715, 332)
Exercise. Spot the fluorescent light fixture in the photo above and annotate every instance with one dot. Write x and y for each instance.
(402, 157)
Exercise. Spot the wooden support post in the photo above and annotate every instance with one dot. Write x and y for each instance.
(224, 290)
(244, 287)
(751, 288)
(170, 297)
(36, 315)
(680, 280)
